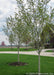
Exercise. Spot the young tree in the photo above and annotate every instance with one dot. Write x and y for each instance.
(36, 19)
(32, 16)
(18, 30)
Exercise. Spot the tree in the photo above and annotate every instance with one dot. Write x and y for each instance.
(14, 30)
(35, 16)
(17, 29)
(32, 17)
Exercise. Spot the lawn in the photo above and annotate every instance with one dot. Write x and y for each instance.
(49, 51)
(47, 64)
(15, 49)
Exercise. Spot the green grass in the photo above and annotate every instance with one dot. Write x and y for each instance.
(49, 51)
(15, 49)
(47, 64)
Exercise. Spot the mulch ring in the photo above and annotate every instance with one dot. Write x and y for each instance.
(17, 64)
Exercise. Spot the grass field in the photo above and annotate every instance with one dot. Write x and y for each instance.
(47, 64)
(49, 51)
(15, 49)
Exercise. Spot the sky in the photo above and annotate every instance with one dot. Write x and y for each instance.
(7, 8)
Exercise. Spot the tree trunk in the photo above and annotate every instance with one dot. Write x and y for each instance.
(38, 58)
(39, 63)
(18, 53)
(11, 46)
(18, 50)
(35, 45)
(26, 45)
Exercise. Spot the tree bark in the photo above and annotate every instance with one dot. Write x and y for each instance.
(18, 54)
(39, 63)
(18, 50)
(38, 57)
(26, 45)
(11, 46)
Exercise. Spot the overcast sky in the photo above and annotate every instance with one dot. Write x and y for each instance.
(8, 7)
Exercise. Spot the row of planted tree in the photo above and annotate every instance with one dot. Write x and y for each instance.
(30, 23)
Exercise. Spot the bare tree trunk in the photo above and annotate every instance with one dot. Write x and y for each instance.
(18, 50)
(26, 45)
(11, 46)
(39, 63)
(18, 54)
(38, 57)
